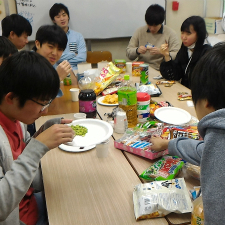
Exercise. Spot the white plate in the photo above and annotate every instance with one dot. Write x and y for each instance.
(102, 103)
(98, 131)
(172, 115)
(69, 148)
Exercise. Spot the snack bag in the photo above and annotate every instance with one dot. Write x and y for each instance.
(159, 198)
(182, 96)
(107, 76)
(164, 169)
(136, 70)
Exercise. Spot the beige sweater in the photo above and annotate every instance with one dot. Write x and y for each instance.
(141, 37)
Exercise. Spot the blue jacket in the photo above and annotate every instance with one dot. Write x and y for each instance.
(75, 51)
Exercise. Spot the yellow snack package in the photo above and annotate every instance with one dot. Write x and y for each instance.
(107, 76)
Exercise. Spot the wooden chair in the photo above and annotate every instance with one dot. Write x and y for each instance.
(94, 57)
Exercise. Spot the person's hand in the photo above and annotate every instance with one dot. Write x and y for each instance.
(65, 121)
(164, 49)
(159, 144)
(142, 49)
(154, 51)
(55, 135)
(63, 69)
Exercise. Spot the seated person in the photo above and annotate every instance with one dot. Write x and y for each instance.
(194, 46)
(17, 29)
(208, 94)
(7, 48)
(154, 33)
(75, 51)
(50, 42)
(28, 83)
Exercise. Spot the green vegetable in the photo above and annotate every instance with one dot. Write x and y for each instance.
(79, 130)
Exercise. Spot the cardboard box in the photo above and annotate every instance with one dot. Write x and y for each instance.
(214, 25)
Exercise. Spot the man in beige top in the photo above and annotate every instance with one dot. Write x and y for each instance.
(145, 44)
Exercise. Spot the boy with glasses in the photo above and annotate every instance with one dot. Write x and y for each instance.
(23, 99)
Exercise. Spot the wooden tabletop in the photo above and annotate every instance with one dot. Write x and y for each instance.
(64, 104)
(83, 189)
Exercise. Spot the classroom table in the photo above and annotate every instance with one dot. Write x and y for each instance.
(83, 189)
(64, 103)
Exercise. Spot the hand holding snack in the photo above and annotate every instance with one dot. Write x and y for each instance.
(142, 49)
(154, 51)
(159, 144)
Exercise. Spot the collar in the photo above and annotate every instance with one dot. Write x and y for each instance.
(11, 126)
(160, 31)
(68, 32)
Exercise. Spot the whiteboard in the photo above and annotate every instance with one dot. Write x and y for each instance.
(94, 19)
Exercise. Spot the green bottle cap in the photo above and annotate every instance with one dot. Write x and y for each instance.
(126, 77)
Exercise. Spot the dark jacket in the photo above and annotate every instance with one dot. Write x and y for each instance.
(175, 69)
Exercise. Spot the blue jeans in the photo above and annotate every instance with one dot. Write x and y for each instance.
(42, 211)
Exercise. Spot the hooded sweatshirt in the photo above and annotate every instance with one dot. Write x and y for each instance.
(210, 155)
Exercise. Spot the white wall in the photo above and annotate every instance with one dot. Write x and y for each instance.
(174, 20)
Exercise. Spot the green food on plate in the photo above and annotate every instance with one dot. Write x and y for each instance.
(79, 130)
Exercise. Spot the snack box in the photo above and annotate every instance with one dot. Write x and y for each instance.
(138, 151)
(121, 63)
(136, 69)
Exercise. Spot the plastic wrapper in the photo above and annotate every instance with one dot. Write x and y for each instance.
(164, 169)
(159, 198)
(197, 216)
(107, 76)
(151, 89)
(192, 170)
(182, 96)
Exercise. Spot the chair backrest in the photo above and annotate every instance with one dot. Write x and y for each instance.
(94, 57)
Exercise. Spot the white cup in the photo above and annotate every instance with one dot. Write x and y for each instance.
(102, 149)
(74, 94)
(78, 116)
(129, 68)
(120, 122)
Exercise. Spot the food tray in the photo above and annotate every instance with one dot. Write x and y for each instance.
(138, 151)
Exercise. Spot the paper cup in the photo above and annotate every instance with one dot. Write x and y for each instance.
(129, 68)
(74, 94)
(78, 116)
(102, 149)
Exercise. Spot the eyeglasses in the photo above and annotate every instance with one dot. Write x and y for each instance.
(44, 105)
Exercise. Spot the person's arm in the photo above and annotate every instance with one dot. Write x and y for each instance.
(188, 149)
(174, 45)
(171, 69)
(73, 58)
(133, 49)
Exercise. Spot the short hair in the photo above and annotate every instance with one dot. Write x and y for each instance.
(28, 75)
(199, 26)
(56, 9)
(208, 77)
(155, 15)
(7, 48)
(51, 34)
(16, 23)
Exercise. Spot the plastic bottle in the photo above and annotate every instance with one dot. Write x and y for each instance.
(87, 103)
(143, 109)
(127, 98)
(67, 81)
(197, 216)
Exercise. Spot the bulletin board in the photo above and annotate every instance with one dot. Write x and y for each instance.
(94, 19)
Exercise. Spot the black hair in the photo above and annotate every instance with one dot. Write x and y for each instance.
(51, 34)
(7, 48)
(155, 15)
(208, 77)
(199, 26)
(28, 75)
(16, 23)
(56, 9)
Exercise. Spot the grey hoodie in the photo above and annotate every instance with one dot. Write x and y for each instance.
(16, 176)
(210, 155)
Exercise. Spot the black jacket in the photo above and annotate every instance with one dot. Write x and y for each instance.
(175, 69)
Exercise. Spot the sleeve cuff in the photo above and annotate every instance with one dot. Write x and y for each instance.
(137, 51)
